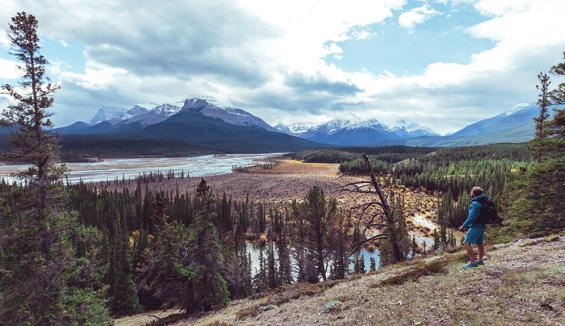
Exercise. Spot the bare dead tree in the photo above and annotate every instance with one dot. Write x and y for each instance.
(382, 218)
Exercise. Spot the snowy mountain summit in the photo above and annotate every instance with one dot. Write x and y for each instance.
(357, 132)
(405, 128)
(115, 114)
(233, 116)
(135, 114)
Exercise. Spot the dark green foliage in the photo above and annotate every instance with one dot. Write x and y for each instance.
(260, 278)
(535, 201)
(271, 268)
(537, 144)
(285, 267)
(238, 274)
(391, 154)
(395, 247)
(85, 308)
(360, 264)
(324, 156)
(319, 215)
(453, 172)
(183, 267)
(558, 95)
(536, 204)
(339, 243)
(48, 272)
(122, 291)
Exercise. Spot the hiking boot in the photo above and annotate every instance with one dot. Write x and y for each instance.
(471, 265)
(480, 262)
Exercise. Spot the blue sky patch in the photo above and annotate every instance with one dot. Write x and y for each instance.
(402, 51)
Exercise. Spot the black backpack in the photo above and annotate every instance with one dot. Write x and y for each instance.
(487, 214)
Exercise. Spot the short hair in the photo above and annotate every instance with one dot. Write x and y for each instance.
(476, 191)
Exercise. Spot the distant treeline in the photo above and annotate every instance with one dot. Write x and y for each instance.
(452, 172)
(397, 153)
(80, 148)
(391, 154)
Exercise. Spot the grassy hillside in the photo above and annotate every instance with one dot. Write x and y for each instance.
(520, 284)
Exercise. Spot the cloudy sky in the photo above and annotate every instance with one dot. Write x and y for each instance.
(442, 63)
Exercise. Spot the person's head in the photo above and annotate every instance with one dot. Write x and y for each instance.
(476, 191)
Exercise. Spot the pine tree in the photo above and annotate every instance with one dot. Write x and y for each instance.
(238, 274)
(423, 247)
(30, 142)
(285, 267)
(340, 254)
(361, 262)
(319, 214)
(184, 265)
(543, 103)
(38, 284)
(260, 278)
(373, 265)
(299, 250)
(436, 240)
(272, 273)
(209, 290)
(558, 94)
(122, 292)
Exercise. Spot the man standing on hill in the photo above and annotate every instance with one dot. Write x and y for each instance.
(476, 228)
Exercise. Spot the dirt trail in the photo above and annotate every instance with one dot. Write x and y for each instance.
(522, 283)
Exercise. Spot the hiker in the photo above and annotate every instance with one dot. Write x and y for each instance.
(475, 226)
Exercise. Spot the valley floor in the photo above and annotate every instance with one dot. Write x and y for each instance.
(290, 180)
(521, 283)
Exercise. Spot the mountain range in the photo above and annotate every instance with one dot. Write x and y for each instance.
(200, 124)
(513, 126)
(370, 132)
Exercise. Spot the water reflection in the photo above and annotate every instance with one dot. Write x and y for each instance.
(255, 250)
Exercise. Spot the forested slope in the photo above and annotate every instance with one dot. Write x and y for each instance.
(428, 291)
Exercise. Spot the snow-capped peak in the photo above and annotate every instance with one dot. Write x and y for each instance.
(405, 128)
(233, 116)
(293, 128)
(166, 109)
(195, 104)
(108, 113)
(136, 110)
(335, 125)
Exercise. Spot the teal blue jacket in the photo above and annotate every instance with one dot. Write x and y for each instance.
(474, 211)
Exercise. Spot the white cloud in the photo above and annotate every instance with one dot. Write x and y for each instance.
(8, 69)
(416, 16)
(362, 34)
(4, 41)
(268, 57)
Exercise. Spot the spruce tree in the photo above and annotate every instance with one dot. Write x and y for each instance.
(373, 265)
(272, 273)
(30, 115)
(543, 103)
(319, 215)
(436, 240)
(558, 95)
(285, 267)
(361, 262)
(39, 238)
